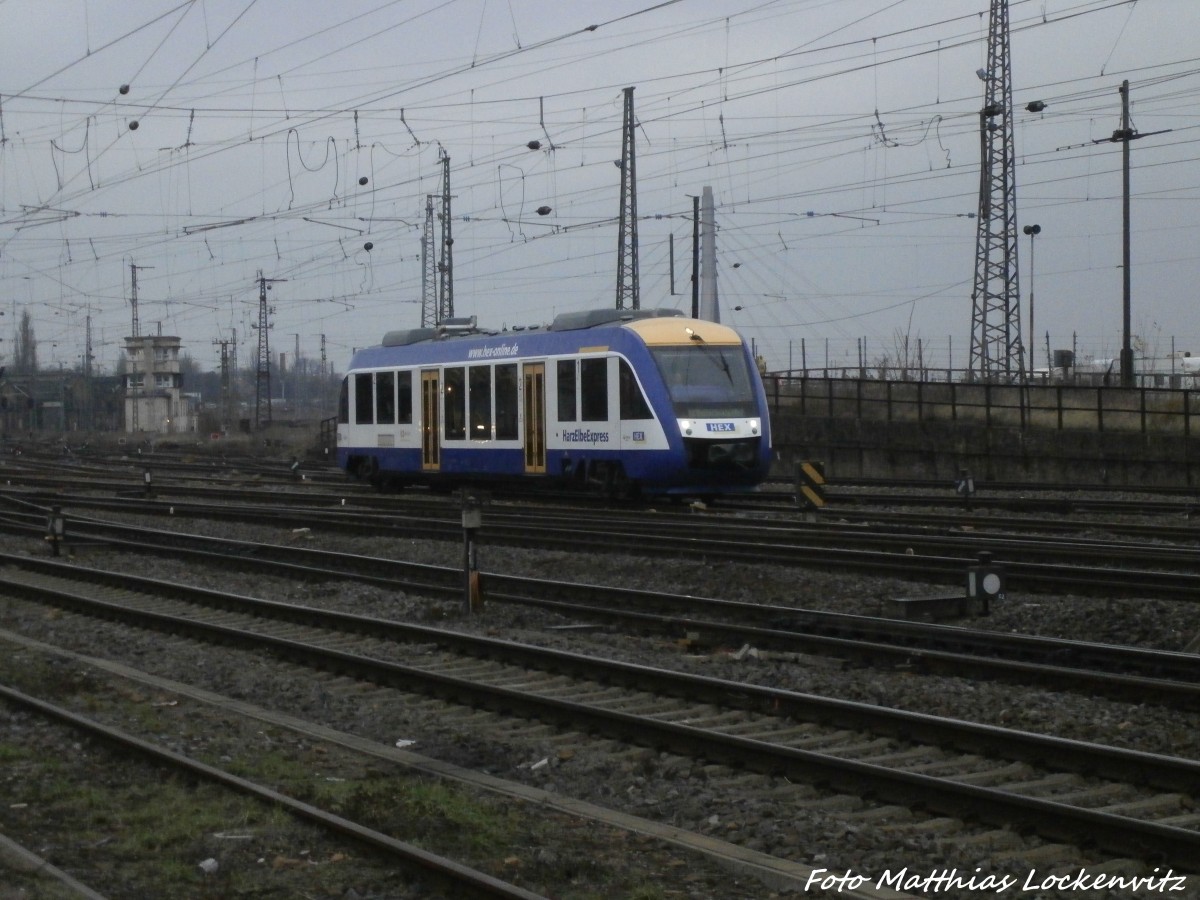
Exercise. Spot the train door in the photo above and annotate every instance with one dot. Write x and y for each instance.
(430, 421)
(534, 375)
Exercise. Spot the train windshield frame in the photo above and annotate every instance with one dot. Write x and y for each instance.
(707, 381)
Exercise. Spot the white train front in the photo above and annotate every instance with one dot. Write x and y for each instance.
(643, 401)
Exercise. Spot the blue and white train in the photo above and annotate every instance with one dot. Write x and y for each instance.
(634, 401)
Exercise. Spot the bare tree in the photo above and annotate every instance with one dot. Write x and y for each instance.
(25, 348)
(902, 362)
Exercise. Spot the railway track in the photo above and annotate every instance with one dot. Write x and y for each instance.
(983, 774)
(197, 476)
(452, 878)
(1096, 567)
(1121, 671)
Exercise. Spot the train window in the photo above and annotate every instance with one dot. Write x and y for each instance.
(404, 406)
(385, 398)
(480, 402)
(707, 382)
(633, 403)
(454, 384)
(364, 399)
(343, 402)
(566, 390)
(506, 402)
(593, 389)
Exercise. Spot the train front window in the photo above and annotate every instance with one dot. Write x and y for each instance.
(706, 381)
(633, 404)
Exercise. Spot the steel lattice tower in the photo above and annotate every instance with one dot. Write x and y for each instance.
(262, 377)
(996, 316)
(226, 384)
(446, 266)
(429, 279)
(627, 239)
(135, 391)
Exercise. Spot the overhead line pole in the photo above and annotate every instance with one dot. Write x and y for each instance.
(262, 379)
(1126, 136)
(134, 390)
(429, 269)
(627, 240)
(446, 266)
(996, 347)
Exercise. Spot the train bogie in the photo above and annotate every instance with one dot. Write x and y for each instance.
(632, 401)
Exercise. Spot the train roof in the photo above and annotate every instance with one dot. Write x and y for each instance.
(595, 329)
(569, 321)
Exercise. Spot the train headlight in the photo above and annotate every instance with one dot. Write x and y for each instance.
(686, 426)
(754, 426)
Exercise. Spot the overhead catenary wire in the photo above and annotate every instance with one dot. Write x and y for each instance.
(687, 160)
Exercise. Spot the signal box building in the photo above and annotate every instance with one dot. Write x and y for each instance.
(154, 398)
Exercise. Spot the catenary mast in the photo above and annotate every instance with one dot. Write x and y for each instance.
(627, 240)
(996, 349)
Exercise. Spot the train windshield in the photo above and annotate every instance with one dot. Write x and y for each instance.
(707, 382)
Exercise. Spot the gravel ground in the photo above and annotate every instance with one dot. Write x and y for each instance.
(661, 787)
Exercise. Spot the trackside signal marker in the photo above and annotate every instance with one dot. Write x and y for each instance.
(810, 484)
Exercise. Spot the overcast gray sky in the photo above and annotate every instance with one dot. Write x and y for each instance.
(840, 138)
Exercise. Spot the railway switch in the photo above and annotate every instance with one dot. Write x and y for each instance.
(985, 582)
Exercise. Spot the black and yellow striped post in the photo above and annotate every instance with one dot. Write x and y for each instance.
(810, 484)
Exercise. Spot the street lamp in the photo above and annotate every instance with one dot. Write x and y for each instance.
(1032, 231)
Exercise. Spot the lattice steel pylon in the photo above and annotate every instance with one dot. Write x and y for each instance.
(262, 374)
(627, 239)
(429, 272)
(446, 265)
(996, 349)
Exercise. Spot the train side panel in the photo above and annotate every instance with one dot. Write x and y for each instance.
(587, 405)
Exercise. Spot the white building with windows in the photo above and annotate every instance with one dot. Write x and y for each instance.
(154, 397)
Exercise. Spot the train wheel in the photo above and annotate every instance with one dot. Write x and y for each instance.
(362, 469)
(372, 475)
(617, 485)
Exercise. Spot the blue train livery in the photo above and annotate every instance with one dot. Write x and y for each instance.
(633, 401)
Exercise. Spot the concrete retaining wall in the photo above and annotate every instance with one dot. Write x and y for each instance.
(853, 448)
